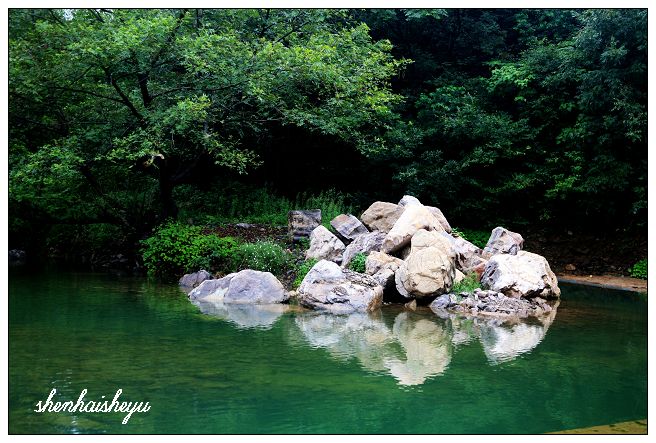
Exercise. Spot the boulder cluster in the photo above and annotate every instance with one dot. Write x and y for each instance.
(413, 256)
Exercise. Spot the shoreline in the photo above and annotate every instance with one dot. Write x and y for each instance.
(606, 281)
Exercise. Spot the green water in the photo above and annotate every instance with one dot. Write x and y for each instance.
(251, 370)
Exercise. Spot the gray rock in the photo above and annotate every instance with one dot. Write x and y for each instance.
(194, 279)
(468, 255)
(301, 223)
(381, 216)
(503, 241)
(522, 275)
(327, 287)
(211, 289)
(325, 245)
(348, 227)
(247, 286)
(364, 243)
(255, 287)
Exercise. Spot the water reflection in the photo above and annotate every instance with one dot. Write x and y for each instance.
(243, 316)
(412, 347)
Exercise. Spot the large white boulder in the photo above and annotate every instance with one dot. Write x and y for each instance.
(327, 287)
(522, 275)
(414, 218)
(244, 287)
(381, 216)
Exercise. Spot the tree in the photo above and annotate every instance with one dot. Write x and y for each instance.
(112, 109)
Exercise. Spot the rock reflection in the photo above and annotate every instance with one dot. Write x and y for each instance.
(412, 350)
(244, 316)
(416, 346)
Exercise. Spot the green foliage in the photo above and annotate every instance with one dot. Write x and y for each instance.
(263, 256)
(171, 250)
(477, 237)
(302, 271)
(358, 262)
(639, 270)
(467, 284)
(215, 254)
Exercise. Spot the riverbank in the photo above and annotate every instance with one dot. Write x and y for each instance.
(635, 427)
(606, 281)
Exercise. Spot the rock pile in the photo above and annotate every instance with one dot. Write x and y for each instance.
(414, 255)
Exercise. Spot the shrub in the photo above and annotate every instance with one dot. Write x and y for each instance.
(168, 253)
(358, 262)
(262, 256)
(214, 253)
(302, 271)
(467, 284)
(639, 270)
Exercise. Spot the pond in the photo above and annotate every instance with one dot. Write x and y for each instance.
(214, 369)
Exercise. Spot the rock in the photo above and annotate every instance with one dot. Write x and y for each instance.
(301, 223)
(423, 239)
(194, 279)
(381, 216)
(503, 241)
(409, 200)
(428, 270)
(385, 278)
(325, 245)
(459, 277)
(440, 216)
(348, 227)
(480, 268)
(570, 267)
(364, 243)
(412, 305)
(376, 261)
(414, 218)
(247, 286)
(211, 290)
(255, 287)
(522, 275)
(16, 257)
(468, 255)
(244, 225)
(327, 287)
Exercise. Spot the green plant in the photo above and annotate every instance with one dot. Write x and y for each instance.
(639, 270)
(477, 237)
(302, 271)
(467, 284)
(262, 256)
(214, 253)
(169, 251)
(358, 262)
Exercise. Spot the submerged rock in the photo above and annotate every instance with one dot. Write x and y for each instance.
(381, 216)
(325, 245)
(244, 287)
(327, 287)
(523, 275)
(503, 241)
(194, 279)
(301, 223)
(348, 227)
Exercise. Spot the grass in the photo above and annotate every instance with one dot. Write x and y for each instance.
(477, 237)
(467, 284)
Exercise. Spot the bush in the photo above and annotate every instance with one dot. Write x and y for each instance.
(169, 252)
(639, 270)
(358, 262)
(215, 254)
(467, 284)
(262, 256)
(302, 271)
